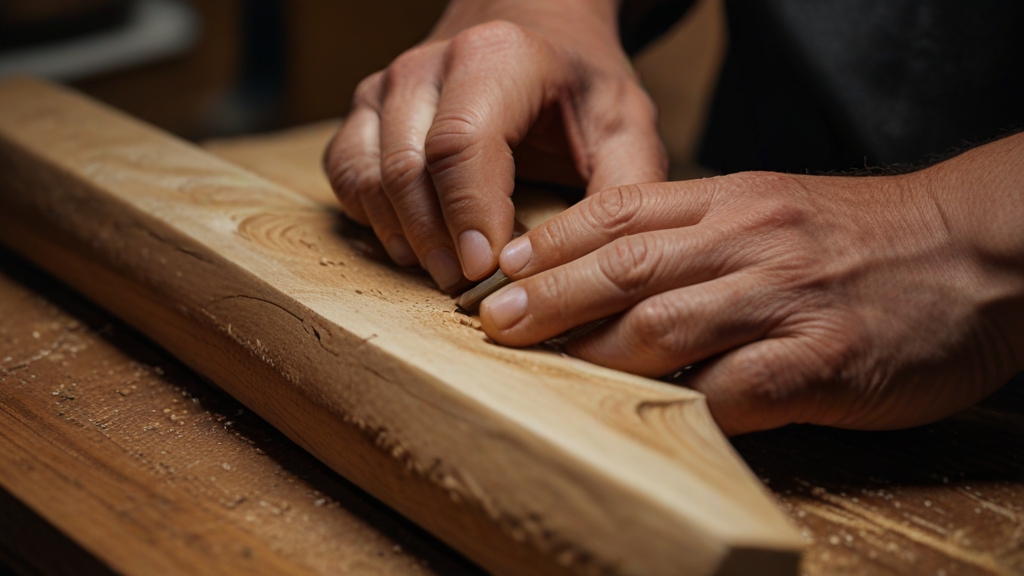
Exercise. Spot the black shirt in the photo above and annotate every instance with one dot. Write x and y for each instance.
(818, 86)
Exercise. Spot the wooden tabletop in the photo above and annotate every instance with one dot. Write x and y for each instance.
(109, 448)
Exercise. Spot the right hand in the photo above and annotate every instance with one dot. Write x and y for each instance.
(425, 156)
(861, 302)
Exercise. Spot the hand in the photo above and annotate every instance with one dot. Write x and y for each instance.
(426, 154)
(859, 302)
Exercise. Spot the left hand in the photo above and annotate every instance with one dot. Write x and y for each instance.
(528, 89)
(860, 302)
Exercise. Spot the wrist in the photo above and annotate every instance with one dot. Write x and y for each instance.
(981, 199)
(573, 21)
(981, 196)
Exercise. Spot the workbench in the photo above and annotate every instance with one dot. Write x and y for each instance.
(137, 459)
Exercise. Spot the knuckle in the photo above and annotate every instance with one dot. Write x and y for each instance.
(780, 380)
(639, 104)
(630, 263)
(486, 37)
(554, 236)
(408, 63)
(780, 215)
(605, 119)
(421, 229)
(412, 65)
(615, 209)
(614, 102)
(351, 180)
(551, 288)
(656, 328)
(460, 201)
(769, 201)
(764, 382)
(451, 140)
(368, 90)
(401, 168)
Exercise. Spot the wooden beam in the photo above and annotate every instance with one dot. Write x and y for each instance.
(525, 460)
(116, 459)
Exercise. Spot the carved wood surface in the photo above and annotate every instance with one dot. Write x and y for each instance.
(114, 457)
(946, 498)
(525, 460)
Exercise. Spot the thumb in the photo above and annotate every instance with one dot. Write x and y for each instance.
(617, 125)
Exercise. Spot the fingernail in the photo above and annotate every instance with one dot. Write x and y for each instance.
(516, 255)
(506, 307)
(476, 253)
(400, 250)
(444, 268)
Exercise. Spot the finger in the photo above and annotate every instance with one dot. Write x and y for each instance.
(356, 181)
(604, 217)
(352, 158)
(498, 78)
(388, 228)
(675, 329)
(618, 126)
(410, 102)
(605, 282)
(351, 164)
(760, 386)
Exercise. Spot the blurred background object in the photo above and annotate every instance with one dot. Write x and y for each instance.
(210, 68)
(89, 38)
(166, 61)
(35, 21)
(334, 45)
(680, 71)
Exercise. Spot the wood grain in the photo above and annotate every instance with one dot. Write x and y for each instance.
(87, 406)
(946, 498)
(527, 461)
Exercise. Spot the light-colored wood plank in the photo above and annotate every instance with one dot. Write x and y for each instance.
(527, 461)
(292, 158)
(149, 469)
(948, 497)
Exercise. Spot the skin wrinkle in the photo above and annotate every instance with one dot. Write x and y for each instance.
(631, 264)
(459, 198)
(417, 216)
(616, 209)
(401, 167)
